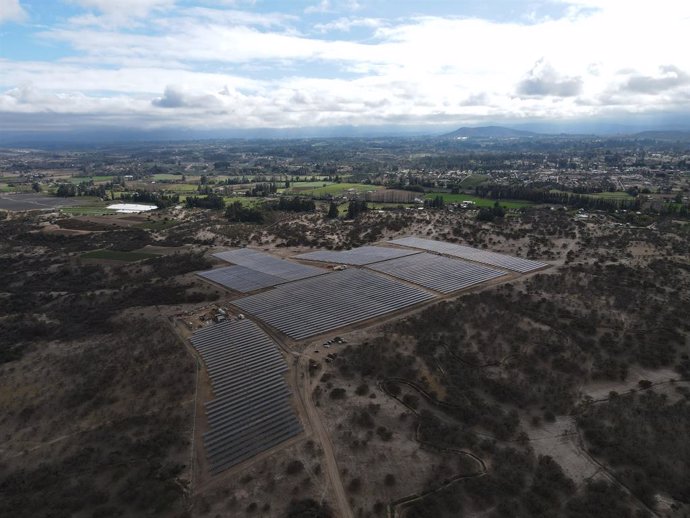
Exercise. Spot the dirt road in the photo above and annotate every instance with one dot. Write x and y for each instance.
(301, 370)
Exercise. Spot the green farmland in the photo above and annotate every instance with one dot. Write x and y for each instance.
(333, 189)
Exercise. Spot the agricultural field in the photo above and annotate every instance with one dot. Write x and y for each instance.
(335, 189)
(167, 176)
(83, 206)
(471, 181)
(612, 195)
(95, 179)
(179, 187)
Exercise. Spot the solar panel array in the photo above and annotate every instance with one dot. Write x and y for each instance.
(357, 256)
(437, 272)
(268, 264)
(254, 270)
(508, 262)
(251, 411)
(241, 278)
(314, 306)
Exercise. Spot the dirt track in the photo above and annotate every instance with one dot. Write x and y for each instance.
(320, 432)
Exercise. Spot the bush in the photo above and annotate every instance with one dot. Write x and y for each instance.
(337, 393)
(294, 467)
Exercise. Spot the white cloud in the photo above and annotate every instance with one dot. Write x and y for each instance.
(208, 67)
(118, 12)
(323, 6)
(345, 24)
(11, 11)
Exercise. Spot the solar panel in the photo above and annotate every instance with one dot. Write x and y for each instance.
(437, 272)
(251, 411)
(241, 278)
(508, 262)
(315, 306)
(268, 264)
(254, 270)
(357, 256)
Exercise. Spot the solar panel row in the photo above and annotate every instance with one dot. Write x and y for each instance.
(437, 272)
(314, 306)
(357, 256)
(508, 262)
(251, 411)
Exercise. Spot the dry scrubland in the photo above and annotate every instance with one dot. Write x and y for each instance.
(505, 374)
(460, 402)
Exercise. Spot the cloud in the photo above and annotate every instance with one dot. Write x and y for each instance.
(323, 6)
(118, 12)
(188, 64)
(670, 77)
(543, 81)
(345, 24)
(179, 97)
(329, 6)
(11, 11)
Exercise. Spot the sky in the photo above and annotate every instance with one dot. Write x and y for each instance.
(70, 65)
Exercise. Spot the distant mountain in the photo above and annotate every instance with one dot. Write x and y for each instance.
(489, 132)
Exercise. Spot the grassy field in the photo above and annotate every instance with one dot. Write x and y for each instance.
(15, 188)
(86, 210)
(89, 206)
(618, 195)
(339, 188)
(167, 176)
(114, 255)
(179, 187)
(244, 200)
(95, 179)
(473, 180)
(480, 202)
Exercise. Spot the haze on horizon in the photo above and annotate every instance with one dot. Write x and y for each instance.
(203, 65)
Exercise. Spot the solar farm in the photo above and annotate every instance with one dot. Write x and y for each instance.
(315, 306)
(251, 411)
(508, 262)
(302, 301)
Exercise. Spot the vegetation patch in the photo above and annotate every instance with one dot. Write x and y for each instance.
(479, 202)
(116, 255)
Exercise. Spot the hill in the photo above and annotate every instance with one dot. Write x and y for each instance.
(489, 132)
